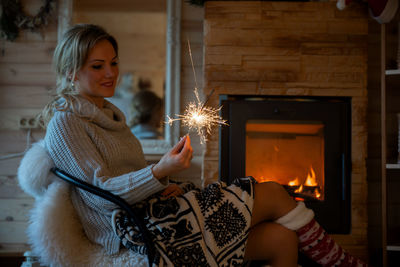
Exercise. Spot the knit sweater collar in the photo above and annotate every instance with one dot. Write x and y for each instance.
(108, 117)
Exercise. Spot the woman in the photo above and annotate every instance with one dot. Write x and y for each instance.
(219, 226)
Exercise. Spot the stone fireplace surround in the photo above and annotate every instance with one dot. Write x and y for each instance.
(293, 49)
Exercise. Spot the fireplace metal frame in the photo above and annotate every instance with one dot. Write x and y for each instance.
(334, 213)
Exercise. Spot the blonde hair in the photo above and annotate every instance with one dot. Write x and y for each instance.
(69, 56)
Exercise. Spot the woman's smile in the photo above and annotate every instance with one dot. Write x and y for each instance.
(107, 84)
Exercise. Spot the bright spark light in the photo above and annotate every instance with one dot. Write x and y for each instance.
(199, 117)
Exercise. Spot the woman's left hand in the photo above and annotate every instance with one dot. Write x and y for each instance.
(173, 190)
(176, 160)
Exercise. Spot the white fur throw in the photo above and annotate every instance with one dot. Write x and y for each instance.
(34, 174)
(54, 231)
(56, 234)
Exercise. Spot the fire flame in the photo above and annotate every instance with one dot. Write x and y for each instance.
(317, 193)
(299, 190)
(311, 179)
(294, 182)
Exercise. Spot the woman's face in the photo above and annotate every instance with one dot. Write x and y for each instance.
(98, 76)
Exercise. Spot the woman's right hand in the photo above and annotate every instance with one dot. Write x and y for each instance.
(177, 159)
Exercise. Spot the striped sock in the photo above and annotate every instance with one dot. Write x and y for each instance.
(316, 244)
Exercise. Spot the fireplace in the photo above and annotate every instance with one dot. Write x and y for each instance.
(302, 143)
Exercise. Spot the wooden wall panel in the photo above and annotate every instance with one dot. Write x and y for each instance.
(26, 79)
(36, 52)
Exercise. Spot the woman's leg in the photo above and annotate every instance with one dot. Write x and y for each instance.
(272, 242)
(273, 203)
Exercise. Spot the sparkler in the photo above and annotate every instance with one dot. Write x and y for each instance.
(197, 115)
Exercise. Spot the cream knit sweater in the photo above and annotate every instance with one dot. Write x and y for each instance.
(97, 146)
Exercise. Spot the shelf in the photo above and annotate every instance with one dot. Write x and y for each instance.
(393, 248)
(393, 166)
(392, 72)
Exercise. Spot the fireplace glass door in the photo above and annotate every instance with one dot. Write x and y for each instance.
(302, 143)
(288, 152)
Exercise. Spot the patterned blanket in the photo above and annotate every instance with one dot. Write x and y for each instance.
(206, 227)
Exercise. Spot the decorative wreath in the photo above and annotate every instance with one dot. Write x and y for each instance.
(13, 18)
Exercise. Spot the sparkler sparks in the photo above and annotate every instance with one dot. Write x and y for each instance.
(197, 115)
(200, 117)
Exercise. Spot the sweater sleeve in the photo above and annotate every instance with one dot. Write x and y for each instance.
(73, 151)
